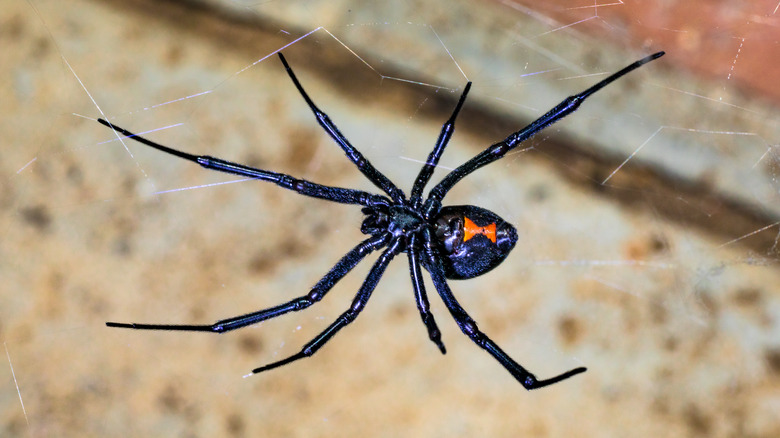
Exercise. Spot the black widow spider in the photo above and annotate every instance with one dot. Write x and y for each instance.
(455, 242)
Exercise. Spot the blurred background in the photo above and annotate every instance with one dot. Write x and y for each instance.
(649, 220)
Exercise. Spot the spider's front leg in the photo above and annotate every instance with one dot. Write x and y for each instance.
(469, 327)
(308, 188)
(346, 264)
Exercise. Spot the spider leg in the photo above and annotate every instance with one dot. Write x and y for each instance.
(346, 264)
(433, 158)
(347, 317)
(498, 150)
(469, 327)
(368, 169)
(421, 297)
(308, 188)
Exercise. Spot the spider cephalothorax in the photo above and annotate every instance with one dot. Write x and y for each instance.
(451, 242)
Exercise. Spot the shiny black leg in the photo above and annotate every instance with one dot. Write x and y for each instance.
(319, 290)
(498, 150)
(335, 194)
(469, 327)
(347, 317)
(365, 166)
(421, 297)
(438, 149)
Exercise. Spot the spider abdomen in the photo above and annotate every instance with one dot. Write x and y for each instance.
(472, 239)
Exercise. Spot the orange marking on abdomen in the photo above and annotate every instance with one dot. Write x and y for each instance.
(470, 229)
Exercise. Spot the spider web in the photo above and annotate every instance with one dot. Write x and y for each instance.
(649, 220)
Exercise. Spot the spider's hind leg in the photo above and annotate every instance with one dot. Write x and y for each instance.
(469, 327)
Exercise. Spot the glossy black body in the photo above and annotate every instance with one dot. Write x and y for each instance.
(451, 242)
(463, 257)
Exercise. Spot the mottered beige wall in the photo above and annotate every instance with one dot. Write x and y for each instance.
(648, 220)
